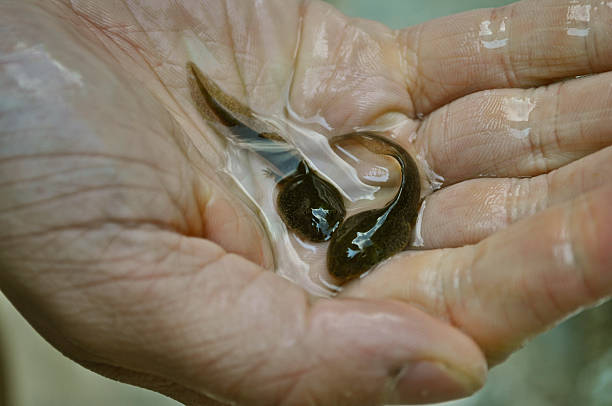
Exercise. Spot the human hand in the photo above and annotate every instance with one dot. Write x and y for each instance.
(121, 246)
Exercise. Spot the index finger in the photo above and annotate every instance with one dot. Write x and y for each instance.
(525, 44)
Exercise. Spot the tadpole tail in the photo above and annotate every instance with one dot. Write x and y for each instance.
(216, 104)
(236, 121)
(408, 197)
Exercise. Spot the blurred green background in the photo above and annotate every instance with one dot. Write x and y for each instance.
(569, 366)
(403, 13)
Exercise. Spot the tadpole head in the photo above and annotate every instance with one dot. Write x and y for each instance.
(354, 249)
(310, 206)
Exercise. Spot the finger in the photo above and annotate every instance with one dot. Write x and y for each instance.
(348, 72)
(470, 211)
(514, 284)
(221, 326)
(511, 133)
(525, 44)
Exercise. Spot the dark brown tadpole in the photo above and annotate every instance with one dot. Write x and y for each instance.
(372, 236)
(309, 205)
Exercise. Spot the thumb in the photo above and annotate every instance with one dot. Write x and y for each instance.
(216, 325)
(262, 342)
(244, 335)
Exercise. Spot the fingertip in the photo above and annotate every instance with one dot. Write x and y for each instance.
(397, 354)
(432, 382)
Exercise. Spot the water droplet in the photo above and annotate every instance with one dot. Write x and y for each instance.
(493, 37)
(578, 18)
(578, 32)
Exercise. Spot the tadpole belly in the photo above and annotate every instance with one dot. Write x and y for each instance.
(369, 237)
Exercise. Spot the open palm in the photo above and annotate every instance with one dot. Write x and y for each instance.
(123, 248)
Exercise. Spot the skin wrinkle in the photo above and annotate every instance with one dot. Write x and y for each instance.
(230, 35)
(577, 254)
(404, 61)
(558, 309)
(323, 361)
(22, 131)
(153, 382)
(139, 51)
(181, 209)
(182, 142)
(219, 296)
(427, 150)
(509, 204)
(264, 359)
(524, 194)
(530, 300)
(48, 245)
(163, 226)
(542, 200)
(285, 397)
(64, 155)
(59, 333)
(200, 198)
(332, 76)
(133, 274)
(477, 254)
(590, 41)
(581, 131)
(64, 196)
(236, 224)
(557, 116)
(297, 377)
(446, 134)
(71, 346)
(298, 46)
(445, 297)
(422, 74)
(49, 176)
(138, 374)
(548, 182)
(536, 152)
(507, 59)
(107, 32)
(518, 195)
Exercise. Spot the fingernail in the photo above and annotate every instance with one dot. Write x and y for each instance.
(430, 382)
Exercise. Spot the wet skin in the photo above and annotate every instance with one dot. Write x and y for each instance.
(310, 206)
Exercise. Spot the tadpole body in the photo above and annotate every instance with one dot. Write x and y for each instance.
(371, 236)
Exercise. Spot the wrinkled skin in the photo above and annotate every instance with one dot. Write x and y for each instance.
(121, 246)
